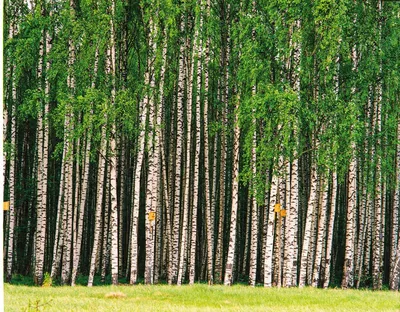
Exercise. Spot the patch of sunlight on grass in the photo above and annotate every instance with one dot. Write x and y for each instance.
(199, 297)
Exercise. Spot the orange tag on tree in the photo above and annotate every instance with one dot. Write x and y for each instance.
(283, 213)
(152, 216)
(277, 207)
(6, 205)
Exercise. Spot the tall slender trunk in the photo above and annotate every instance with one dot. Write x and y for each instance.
(136, 195)
(113, 162)
(178, 163)
(228, 280)
(395, 247)
(157, 184)
(142, 111)
(99, 203)
(292, 225)
(67, 215)
(269, 242)
(378, 226)
(193, 240)
(321, 236)
(153, 162)
(104, 257)
(208, 197)
(254, 211)
(222, 174)
(85, 185)
(187, 192)
(40, 235)
(68, 163)
(312, 203)
(348, 268)
(329, 238)
(12, 179)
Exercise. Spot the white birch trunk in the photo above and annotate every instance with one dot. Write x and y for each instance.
(67, 217)
(321, 238)
(269, 242)
(113, 164)
(292, 226)
(312, 203)
(153, 163)
(193, 239)
(157, 184)
(208, 197)
(329, 238)
(40, 235)
(395, 247)
(85, 186)
(99, 202)
(187, 194)
(136, 196)
(228, 279)
(379, 221)
(13, 126)
(254, 212)
(178, 164)
(348, 268)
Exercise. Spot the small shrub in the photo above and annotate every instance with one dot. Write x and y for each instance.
(36, 306)
(47, 280)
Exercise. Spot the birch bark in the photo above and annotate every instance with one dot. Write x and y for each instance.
(269, 242)
(329, 239)
(312, 203)
(40, 236)
(228, 278)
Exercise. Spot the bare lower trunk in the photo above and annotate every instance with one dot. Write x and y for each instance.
(269, 242)
(228, 280)
(99, 202)
(395, 247)
(348, 269)
(329, 238)
(321, 237)
(312, 203)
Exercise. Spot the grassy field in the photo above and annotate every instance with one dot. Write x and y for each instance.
(195, 298)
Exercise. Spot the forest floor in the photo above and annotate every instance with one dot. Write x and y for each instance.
(199, 297)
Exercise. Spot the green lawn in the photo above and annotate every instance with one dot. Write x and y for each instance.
(195, 298)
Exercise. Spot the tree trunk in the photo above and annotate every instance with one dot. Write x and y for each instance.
(269, 242)
(153, 162)
(99, 203)
(312, 203)
(113, 163)
(228, 280)
(348, 268)
(321, 238)
(329, 238)
(40, 237)
(12, 177)
(395, 247)
(187, 192)
(193, 240)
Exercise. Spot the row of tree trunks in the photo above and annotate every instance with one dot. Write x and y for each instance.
(180, 195)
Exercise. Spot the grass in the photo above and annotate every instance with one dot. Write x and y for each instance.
(199, 297)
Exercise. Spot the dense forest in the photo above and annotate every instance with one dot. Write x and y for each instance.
(165, 141)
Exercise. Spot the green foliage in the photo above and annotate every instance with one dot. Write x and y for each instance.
(36, 306)
(47, 280)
